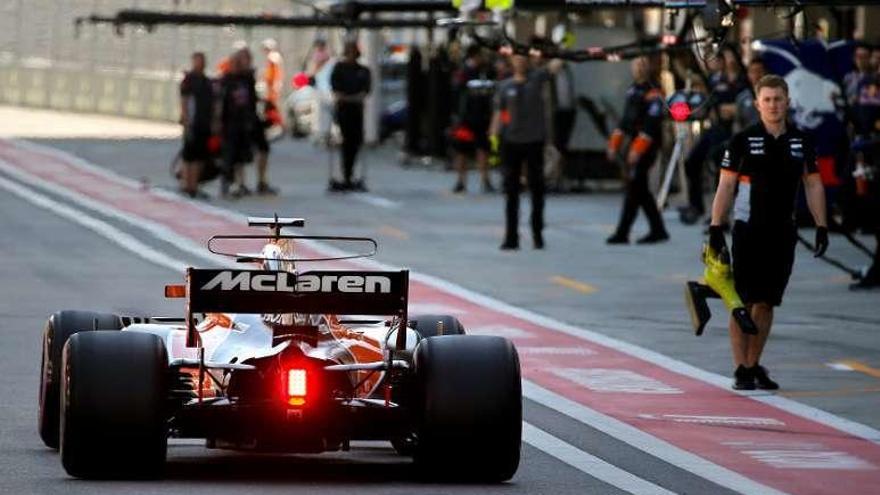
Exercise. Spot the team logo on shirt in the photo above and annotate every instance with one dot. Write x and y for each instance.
(756, 145)
(796, 145)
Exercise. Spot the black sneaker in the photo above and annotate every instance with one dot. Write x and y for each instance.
(488, 188)
(240, 191)
(762, 379)
(617, 239)
(509, 246)
(743, 378)
(264, 189)
(654, 238)
(689, 215)
(867, 283)
(459, 188)
(538, 240)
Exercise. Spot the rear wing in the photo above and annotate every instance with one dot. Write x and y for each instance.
(380, 293)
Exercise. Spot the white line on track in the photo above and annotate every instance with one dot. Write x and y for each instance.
(372, 199)
(587, 463)
(539, 439)
(647, 443)
(103, 229)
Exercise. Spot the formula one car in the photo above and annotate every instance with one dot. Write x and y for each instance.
(267, 360)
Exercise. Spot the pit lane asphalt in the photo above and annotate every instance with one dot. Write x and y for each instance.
(418, 224)
(638, 289)
(49, 264)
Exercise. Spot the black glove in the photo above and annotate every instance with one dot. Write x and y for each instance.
(821, 241)
(716, 239)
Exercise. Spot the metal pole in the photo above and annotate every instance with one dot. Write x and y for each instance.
(93, 62)
(372, 110)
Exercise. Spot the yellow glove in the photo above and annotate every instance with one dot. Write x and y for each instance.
(494, 151)
(719, 277)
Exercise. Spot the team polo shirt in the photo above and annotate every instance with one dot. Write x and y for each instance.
(769, 171)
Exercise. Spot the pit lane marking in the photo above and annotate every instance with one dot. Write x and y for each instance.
(587, 463)
(800, 455)
(103, 229)
(859, 366)
(615, 381)
(740, 421)
(374, 200)
(573, 284)
(394, 232)
(831, 393)
(505, 331)
(567, 453)
(554, 351)
(435, 308)
(644, 441)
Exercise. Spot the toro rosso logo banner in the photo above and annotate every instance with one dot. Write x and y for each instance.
(263, 291)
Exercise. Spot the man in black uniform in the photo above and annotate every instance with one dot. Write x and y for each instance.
(196, 109)
(762, 169)
(641, 122)
(351, 83)
(519, 120)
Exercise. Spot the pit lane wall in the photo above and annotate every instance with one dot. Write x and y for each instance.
(46, 61)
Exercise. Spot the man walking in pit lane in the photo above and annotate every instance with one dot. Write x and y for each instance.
(762, 169)
(196, 113)
(641, 122)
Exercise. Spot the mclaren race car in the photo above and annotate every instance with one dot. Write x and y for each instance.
(277, 360)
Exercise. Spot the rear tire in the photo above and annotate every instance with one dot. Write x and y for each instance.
(429, 325)
(59, 328)
(113, 414)
(470, 408)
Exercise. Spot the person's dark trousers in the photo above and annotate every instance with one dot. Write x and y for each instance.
(709, 143)
(563, 124)
(513, 156)
(638, 195)
(351, 124)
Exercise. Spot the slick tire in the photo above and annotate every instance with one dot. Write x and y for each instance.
(470, 417)
(429, 325)
(59, 328)
(113, 414)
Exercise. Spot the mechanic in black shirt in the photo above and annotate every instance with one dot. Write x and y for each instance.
(762, 169)
(641, 122)
(351, 83)
(196, 112)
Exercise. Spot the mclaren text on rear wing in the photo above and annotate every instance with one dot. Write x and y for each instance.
(264, 291)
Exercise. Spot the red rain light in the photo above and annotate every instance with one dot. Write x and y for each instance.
(296, 383)
(680, 111)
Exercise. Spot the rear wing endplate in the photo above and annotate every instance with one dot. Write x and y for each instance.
(380, 293)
